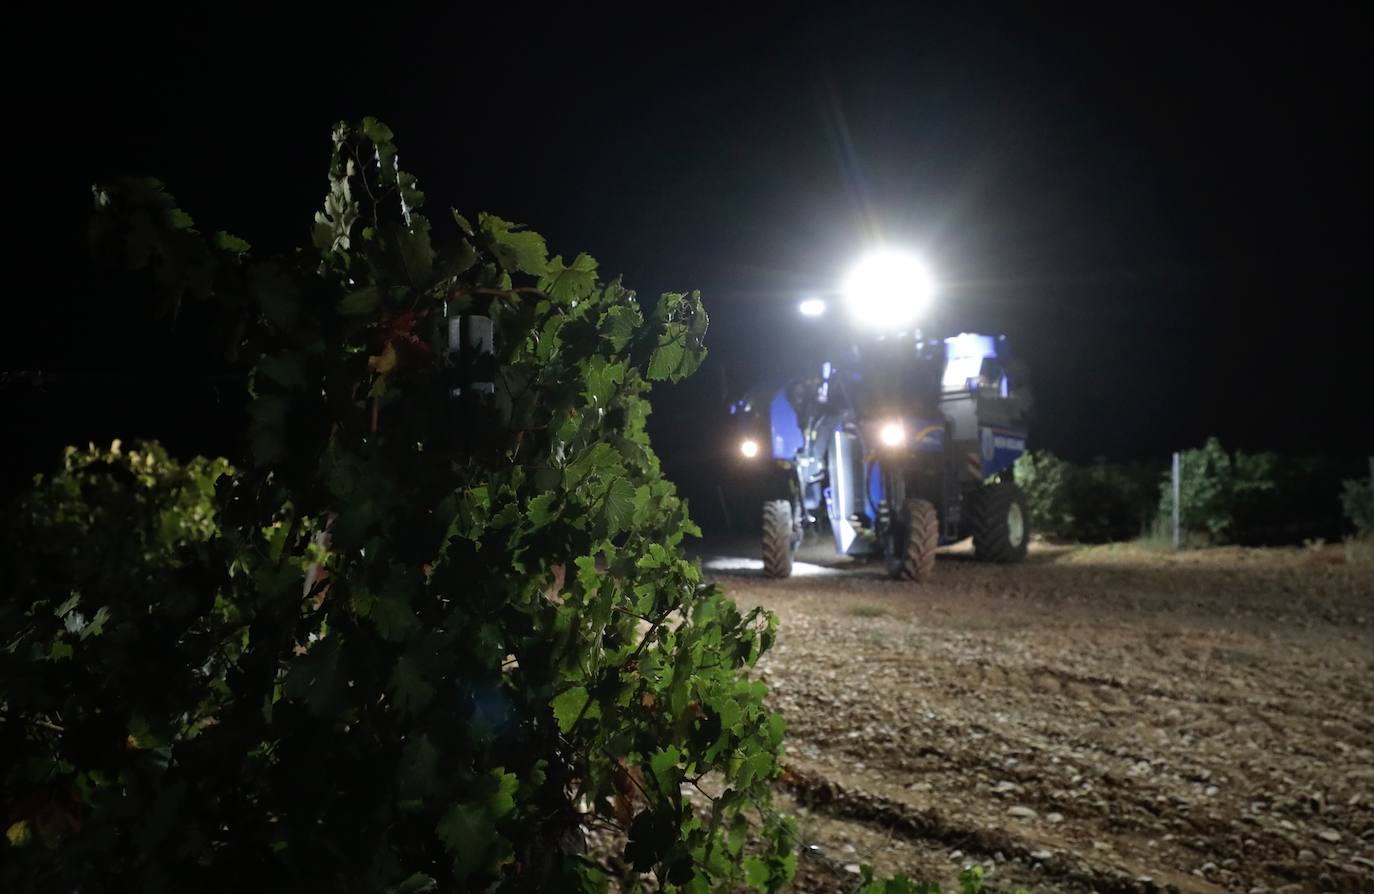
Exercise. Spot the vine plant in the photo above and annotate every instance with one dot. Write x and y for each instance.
(437, 628)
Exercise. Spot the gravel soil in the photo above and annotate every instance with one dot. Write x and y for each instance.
(1106, 718)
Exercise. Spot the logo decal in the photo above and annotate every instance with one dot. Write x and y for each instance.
(988, 442)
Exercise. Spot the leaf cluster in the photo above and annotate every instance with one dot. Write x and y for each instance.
(440, 624)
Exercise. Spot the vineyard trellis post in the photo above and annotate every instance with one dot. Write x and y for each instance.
(1177, 470)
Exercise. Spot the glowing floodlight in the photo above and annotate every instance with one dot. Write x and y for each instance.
(888, 289)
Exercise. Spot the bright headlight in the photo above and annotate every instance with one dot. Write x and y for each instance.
(749, 447)
(888, 289)
(892, 434)
(812, 307)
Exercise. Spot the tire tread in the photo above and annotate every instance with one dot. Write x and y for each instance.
(777, 538)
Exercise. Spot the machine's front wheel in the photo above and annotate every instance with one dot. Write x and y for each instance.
(911, 546)
(1000, 522)
(780, 538)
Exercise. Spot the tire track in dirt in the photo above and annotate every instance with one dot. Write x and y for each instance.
(834, 799)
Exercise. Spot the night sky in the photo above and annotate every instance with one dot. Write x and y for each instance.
(1167, 211)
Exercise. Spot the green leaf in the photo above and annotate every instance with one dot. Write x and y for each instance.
(516, 249)
(467, 834)
(287, 369)
(756, 767)
(419, 883)
(587, 574)
(573, 282)
(394, 617)
(416, 254)
(666, 361)
(618, 325)
(596, 459)
(19, 834)
(411, 197)
(334, 223)
(601, 378)
(568, 705)
(230, 243)
(641, 507)
(541, 510)
(454, 260)
(416, 776)
(700, 884)
(322, 234)
(501, 800)
(97, 624)
(664, 765)
(469, 830)
(268, 419)
(376, 131)
(314, 677)
(620, 505)
(67, 605)
(729, 712)
(410, 689)
(276, 294)
(360, 302)
(757, 873)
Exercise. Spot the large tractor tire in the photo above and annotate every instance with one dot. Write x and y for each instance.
(911, 552)
(1000, 523)
(780, 538)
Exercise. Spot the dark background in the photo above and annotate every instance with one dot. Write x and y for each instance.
(1166, 210)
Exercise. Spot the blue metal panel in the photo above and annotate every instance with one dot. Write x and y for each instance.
(786, 431)
(875, 484)
(999, 448)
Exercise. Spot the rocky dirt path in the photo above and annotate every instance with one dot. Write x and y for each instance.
(1106, 719)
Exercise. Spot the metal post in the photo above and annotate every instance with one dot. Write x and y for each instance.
(470, 347)
(1177, 476)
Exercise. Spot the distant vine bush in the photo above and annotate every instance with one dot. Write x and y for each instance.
(1357, 501)
(1087, 504)
(1043, 479)
(1231, 496)
(430, 633)
(1227, 497)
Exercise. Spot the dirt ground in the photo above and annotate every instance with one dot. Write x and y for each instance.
(1108, 718)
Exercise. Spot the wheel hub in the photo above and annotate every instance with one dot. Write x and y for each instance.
(1016, 525)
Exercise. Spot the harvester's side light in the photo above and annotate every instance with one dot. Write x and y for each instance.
(812, 307)
(892, 434)
(749, 447)
(888, 289)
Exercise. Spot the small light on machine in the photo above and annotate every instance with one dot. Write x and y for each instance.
(812, 307)
(749, 447)
(892, 434)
